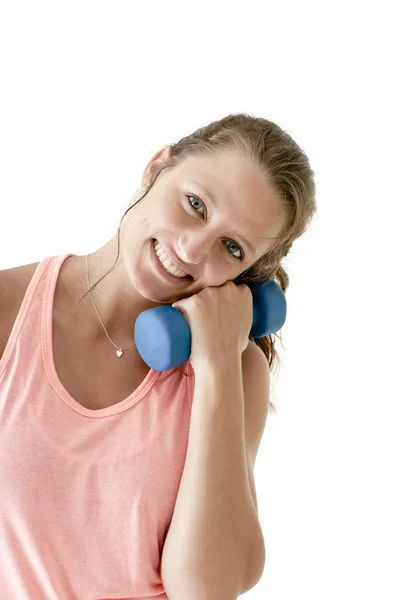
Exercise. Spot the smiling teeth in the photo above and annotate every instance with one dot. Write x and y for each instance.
(167, 265)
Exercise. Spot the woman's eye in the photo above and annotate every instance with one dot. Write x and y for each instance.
(242, 255)
(196, 200)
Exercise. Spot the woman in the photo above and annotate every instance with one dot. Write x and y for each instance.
(119, 481)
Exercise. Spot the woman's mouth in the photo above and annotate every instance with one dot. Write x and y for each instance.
(161, 268)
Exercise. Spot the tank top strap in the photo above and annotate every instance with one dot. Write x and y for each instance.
(29, 320)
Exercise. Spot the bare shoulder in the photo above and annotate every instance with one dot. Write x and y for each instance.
(13, 285)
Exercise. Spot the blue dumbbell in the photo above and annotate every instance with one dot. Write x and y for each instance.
(163, 337)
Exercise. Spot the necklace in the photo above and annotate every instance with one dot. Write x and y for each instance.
(119, 351)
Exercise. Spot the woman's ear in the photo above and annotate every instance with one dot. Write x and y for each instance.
(155, 166)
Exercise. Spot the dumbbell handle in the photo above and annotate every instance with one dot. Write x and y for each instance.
(163, 337)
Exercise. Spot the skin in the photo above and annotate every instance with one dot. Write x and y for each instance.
(206, 240)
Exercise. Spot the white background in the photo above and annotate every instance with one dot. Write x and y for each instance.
(91, 90)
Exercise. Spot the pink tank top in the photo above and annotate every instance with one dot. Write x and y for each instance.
(86, 496)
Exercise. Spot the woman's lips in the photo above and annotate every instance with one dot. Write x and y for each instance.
(160, 269)
(173, 258)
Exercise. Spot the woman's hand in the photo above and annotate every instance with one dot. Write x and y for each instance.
(220, 319)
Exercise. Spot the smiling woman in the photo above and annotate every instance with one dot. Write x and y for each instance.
(142, 470)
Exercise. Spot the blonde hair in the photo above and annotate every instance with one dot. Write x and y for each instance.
(287, 169)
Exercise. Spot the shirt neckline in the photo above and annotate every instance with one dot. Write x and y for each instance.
(48, 353)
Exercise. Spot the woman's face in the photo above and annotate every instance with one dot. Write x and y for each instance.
(211, 239)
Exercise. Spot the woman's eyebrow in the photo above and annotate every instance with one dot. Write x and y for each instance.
(213, 202)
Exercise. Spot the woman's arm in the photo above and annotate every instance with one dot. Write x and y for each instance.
(214, 543)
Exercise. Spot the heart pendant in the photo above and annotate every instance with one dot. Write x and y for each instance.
(119, 352)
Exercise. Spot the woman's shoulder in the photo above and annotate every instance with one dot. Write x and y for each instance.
(13, 285)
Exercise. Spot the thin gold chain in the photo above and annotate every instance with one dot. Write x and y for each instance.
(119, 351)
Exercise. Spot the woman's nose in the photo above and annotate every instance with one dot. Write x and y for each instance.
(194, 248)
